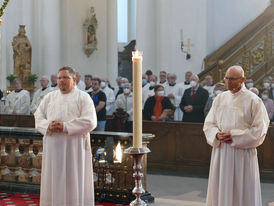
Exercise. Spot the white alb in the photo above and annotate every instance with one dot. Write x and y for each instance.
(67, 175)
(234, 178)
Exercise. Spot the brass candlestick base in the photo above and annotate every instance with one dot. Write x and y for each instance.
(138, 191)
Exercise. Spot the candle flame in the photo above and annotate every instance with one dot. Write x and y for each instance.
(118, 152)
(137, 53)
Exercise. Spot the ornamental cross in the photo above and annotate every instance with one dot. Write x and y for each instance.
(188, 46)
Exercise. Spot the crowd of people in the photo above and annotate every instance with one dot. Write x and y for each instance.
(164, 99)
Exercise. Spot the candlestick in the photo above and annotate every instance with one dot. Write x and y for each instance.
(138, 191)
(137, 98)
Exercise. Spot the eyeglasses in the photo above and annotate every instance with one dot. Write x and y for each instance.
(231, 79)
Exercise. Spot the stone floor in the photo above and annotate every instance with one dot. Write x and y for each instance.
(190, 191)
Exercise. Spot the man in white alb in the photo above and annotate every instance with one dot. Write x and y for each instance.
(152, 81)
(174, 92)
(125, 102)
(65, 117)
(209, 84)
(110, 104)
(80, 84)
(53, 79)
(18, 101)
(236, 124)
(40, 93)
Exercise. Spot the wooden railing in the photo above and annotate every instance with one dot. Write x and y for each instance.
(252, 48)
(177, 147)
(21, 151)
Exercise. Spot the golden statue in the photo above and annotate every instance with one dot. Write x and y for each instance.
(22, 55)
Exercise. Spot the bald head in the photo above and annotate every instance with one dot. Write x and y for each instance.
(234, 78)
(236, 70)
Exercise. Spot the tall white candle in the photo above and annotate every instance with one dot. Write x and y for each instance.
(181, 35)
(137, 98)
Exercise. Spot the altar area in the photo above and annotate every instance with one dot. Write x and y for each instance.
(21, 158)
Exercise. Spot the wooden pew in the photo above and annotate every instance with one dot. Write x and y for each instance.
(178, 147)
(182, 147)
(10, 120)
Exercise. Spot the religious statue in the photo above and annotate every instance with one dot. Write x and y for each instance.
(22, 55)
(90, 25)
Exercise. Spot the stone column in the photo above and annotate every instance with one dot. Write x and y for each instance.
(112, 49)
(50, 37)
(146, 32)
(131, 20)
(2, 70)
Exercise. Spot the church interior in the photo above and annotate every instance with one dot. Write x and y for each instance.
(97, 38)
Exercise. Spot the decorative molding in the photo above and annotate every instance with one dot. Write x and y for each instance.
(245, 61)
(272, 41)
(257, 55)
(2, 9)
(90, 27)
(259, 22)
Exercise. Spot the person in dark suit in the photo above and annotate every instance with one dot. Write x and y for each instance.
(271, 91)
(194, 101)
(1, 94)
(156, 105)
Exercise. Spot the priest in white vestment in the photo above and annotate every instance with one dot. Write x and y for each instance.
(236, 124)
(18, 101)
(53, 79)
(110, 104)
(65, 117)
(149, 92)
(40, 93)
(125, 101)
(79, 83)
(174, 92)
(163, 78)
(209, 84)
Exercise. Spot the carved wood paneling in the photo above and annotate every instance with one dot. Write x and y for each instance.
(254, 53)
(240, 37)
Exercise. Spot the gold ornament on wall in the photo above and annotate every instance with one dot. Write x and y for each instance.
(90, 27)
(257, 54)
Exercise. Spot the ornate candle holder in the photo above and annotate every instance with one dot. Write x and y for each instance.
(138, 191)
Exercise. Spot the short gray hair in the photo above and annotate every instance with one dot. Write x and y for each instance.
(17, 80)
(125, 80)
(118, 78)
